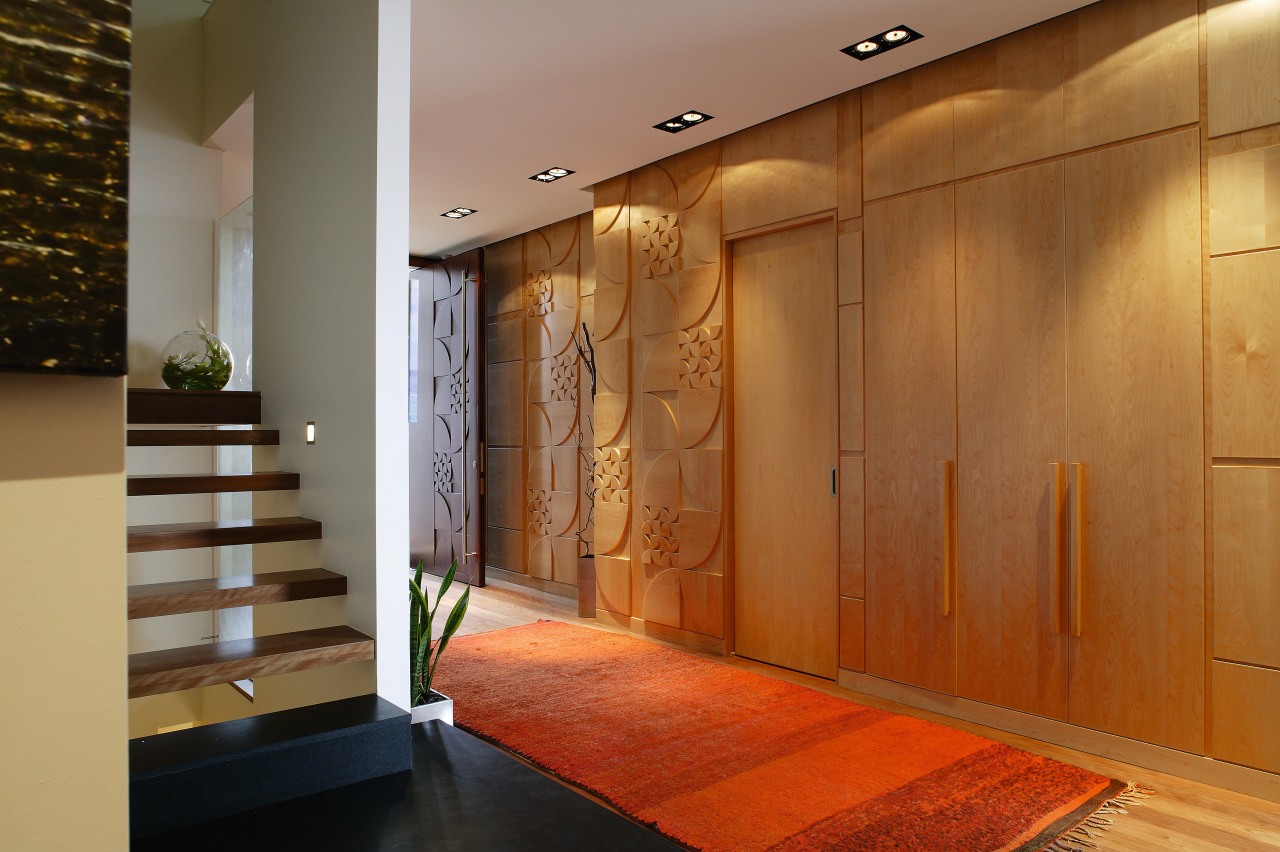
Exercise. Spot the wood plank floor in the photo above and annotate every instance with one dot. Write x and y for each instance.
(1184, 816)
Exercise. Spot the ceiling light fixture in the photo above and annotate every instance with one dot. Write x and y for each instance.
(550, 175)
(684, 121)
(457, 212)
(878, 44)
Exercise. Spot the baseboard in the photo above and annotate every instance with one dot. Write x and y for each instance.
(563, 590)
(1231, 776)
(673, 635)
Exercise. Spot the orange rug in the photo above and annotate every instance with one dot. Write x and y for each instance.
(718, 758)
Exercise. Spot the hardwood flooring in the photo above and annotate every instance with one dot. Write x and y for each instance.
(1185, 816)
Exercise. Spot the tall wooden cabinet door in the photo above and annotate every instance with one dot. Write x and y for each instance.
(1135, 430)
(910, 342)
(1011, 472)
(785, 403)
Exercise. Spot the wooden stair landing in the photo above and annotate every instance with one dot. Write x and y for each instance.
(156, 672)
(202, 437)
(207, 483)
(223, 592)
(149, 537)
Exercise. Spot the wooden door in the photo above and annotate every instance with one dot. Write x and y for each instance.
(785, 446)
(910, 342)
(444, 450)
(1011, 468)
(1135, 430)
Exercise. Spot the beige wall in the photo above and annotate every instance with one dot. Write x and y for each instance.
(62, 519)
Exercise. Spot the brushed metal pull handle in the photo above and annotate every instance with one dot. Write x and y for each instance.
(833, 482)
(1078, 509)
(948, 535)
(1057, 540)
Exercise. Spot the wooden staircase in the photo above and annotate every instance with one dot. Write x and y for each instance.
(175, 669)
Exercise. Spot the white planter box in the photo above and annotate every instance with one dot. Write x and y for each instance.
(442, 710)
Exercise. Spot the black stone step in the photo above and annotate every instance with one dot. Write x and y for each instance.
(190, 776)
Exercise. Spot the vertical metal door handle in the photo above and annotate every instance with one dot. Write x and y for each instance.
(948, 535)
(833, 482)
(1078, 509)
(1057, 540)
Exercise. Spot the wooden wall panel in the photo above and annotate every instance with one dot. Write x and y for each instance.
(1246, 564)
(1132, 67)
(1245, 699)
(504, 276)
(1136, 424)
(849, 154)
(504, 487)
(907, 130)
(504, 549)
(849, 262)
(911, 429)
(852, 432)
(781, 169)
(852, 625)
(504, 340)
(1244, 201)
(1008, 104)
(1244, 65)
(504, 404)
(1012, 372)
(853, 539)
(1245, 344)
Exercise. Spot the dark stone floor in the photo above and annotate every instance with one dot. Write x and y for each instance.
(463, 794)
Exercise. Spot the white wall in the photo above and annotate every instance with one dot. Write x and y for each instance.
(63, 758)
(331, 165)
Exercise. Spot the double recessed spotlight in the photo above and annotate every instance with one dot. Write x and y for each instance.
(683, 121)
(457, 213)
(551, 175)
(878, 44)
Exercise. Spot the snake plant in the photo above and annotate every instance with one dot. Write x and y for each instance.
(424, 654)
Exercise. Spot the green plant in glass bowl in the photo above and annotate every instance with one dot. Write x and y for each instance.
(196, 360)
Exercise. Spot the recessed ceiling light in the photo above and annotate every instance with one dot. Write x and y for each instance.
(876, 45)
(684, 121)
(457, 212)
(552, 174)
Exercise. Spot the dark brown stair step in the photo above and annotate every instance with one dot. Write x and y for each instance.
(156, 672)
(223, 592)
(150, 537)
(147, 405)
(272, 480)
(202, 437)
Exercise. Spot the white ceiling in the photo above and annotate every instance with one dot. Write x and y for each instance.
(502, 89)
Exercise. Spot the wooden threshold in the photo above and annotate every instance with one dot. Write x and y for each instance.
(274, 480)
(147, 405)
(202, 437)
(157, 672)
(223, 592)
(143, 539)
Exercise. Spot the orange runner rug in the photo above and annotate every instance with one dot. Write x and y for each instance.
(718, 758)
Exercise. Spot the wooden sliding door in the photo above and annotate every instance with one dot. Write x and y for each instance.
(910, 344)
(1011, 468)
(785, 448)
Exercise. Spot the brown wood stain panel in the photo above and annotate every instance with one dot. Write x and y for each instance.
(911, 428)
(1245, 699)
(1011, 331)
(787, 584)
(202, 437)
(147, 405)
(852, 433)
(222, 592)
(1245, 345)
(1135, 424)
(1244, 66)
(174, 669)
(149, 537)
(852, 639)
(139, 486)
(853, 526)
(1246, 565)
(1244, 201)
(907, 130)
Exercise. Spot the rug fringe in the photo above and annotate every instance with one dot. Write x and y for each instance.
(1080, 838)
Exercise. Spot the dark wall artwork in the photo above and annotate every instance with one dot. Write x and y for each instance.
(64, 168)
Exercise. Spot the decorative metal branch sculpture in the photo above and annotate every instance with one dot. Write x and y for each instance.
(587, 357)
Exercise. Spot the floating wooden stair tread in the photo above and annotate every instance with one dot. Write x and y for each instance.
(202, 437)
(273, 480)
(181, 406)
(223, 592)
(156, 672)
(142, 539)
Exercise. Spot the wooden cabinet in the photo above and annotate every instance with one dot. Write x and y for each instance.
(911, 438)
(1012, 371)
(1135, 428)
